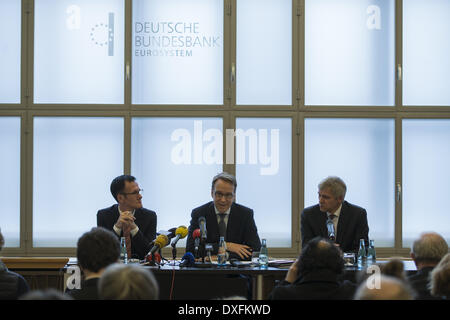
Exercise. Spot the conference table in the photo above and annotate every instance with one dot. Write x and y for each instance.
(181, 283)
(215, 282)
(222, 282)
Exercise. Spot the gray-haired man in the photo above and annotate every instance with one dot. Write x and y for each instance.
(350, 221)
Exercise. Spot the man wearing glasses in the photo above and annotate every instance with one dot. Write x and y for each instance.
(226, 218)
(128, 218)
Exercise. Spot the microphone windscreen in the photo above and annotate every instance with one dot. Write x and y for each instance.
(171, 232)
(156, 257)
(161, 241)
(189, 257)
(196, 234)
(182, 231)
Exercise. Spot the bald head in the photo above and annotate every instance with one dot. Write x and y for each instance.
(429, 249)
(390, 289)
(323, 244)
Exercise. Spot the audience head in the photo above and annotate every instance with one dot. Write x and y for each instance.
(389, 288)
(393, 268)
(440, 278)
(2, 240)
(128, 282)
(47, 294)
(97, 249)
(320, 254)
(428, 249)
(237, 298)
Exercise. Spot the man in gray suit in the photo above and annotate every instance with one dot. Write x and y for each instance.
(349, 221)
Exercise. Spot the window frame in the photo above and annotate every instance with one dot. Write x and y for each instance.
(229, 111)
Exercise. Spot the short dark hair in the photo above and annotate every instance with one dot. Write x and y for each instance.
(118, 184)
(320, 254)
(97, 249)
(225, 176)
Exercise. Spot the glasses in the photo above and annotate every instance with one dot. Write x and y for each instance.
(227, 196)
(134, 193)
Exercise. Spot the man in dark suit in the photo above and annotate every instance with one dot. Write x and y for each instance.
(227, 218)
(349, 221)
(128, 216)
(315, 275)
(426, 252)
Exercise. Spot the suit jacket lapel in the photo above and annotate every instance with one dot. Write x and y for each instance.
(115, 214)
(323, 224)
(137, 215)
(342, 223)
(212, 227)
(233, 219)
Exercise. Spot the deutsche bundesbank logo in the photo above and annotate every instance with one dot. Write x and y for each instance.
(100, 34)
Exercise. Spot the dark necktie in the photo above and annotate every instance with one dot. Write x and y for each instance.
(331, 218)
(222, 225)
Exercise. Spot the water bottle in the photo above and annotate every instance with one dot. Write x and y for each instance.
(222, 254)
(362, 256)
(263, 255)
(371, 254)
(123, 251)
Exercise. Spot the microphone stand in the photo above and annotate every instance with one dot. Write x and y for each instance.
(174, 251)
(202, 250)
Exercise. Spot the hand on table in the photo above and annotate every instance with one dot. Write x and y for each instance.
(242, 250)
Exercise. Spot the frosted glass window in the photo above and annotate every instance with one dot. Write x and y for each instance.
(426, 176)
(74, 162)
(79, 51)
(174, 160)
(426, 52)
(177, 52)
(264, 52)
(10, 186)
(350, 52)
(361, 152)
(10, 39)
(264, 175)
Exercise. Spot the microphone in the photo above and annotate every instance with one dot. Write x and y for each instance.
(181, 232)
(202, 224)
(196, 236)
(330, 229)
(160, 242)
(187, 260)
(156, 257)
(169, 233)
